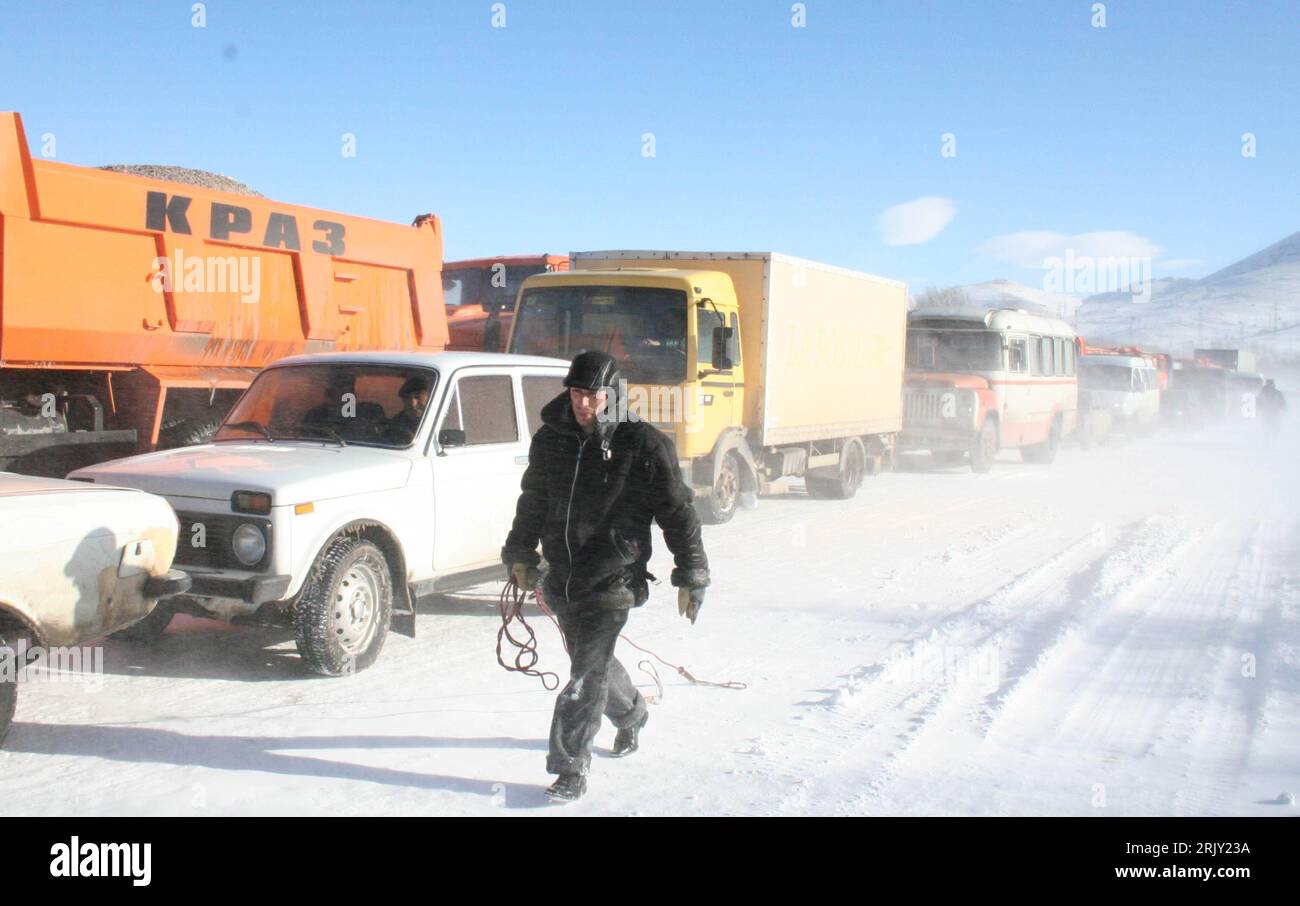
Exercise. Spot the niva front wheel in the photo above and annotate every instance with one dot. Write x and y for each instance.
(346, 607)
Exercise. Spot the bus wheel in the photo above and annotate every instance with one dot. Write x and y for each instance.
(985, 448)
(1044, 453)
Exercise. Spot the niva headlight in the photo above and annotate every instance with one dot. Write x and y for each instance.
(248, 543)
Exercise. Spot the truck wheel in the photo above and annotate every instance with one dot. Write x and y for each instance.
(985, 448)
(1044, 453)
(8, 704)
(719, 505)
(151, 628)
(345, 608)
(8, 688)
(853, 465)
(189, 432)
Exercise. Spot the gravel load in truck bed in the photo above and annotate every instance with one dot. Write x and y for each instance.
(186, 175)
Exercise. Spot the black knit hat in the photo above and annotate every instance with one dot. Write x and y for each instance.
(413, 386)
(593, 370)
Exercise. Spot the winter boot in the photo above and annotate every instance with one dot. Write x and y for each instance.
(567, 788)
(626, 741)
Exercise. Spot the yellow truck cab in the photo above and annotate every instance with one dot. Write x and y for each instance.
(760, 366)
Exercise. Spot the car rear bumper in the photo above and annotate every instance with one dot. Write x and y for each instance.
(173, 582)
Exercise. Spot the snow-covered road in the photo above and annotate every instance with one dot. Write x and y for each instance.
(1118, 633)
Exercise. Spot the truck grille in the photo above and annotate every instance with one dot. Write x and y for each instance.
(215, 551)
(921, 405)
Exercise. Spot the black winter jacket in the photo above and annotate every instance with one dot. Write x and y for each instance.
(590, 498)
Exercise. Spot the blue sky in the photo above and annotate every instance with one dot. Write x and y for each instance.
(529, 137)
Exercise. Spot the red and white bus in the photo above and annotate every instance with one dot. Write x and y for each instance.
(981, 381)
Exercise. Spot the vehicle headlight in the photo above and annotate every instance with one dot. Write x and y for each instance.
(248, 543)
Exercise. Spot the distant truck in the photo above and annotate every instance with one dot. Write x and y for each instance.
(480, 296)
(134, 311)
(759, 365)
(978, 382)
(1198, 393)
(1228, 359)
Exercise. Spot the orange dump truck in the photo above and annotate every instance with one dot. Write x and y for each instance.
(133, 311)
(480, 296)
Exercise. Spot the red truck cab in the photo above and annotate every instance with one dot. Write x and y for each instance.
(480, 297)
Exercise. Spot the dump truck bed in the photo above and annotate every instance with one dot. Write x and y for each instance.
(108, 270)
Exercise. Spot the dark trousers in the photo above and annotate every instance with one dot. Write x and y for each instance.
(598, 684)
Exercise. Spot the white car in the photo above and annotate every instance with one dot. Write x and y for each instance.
(78, 563)
(343, 486)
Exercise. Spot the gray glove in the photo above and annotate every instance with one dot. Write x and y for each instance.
(525, 575)
(689, 602)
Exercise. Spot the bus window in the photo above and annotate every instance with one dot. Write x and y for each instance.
(1045, 365)
(1058, 354)
(1069, 358)
(1017, 356)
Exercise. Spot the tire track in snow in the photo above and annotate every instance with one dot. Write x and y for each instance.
(1108, 589)
(880, 712)
(1232, 708)
(1031, 638)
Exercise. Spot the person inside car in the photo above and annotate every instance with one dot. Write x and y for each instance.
(415, 398)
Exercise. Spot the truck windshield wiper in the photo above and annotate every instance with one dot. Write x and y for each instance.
(258, 425)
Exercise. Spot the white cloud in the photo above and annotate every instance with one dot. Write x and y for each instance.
(915, 221)
(1031, 248)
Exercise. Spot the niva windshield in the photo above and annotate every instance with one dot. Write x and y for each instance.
(346, 403)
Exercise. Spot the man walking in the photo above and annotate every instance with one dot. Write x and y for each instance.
(592, 486)
(1270, 404)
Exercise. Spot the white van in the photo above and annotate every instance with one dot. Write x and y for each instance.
(1126, 386)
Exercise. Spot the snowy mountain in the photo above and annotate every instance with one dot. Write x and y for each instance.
(1253, 303)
